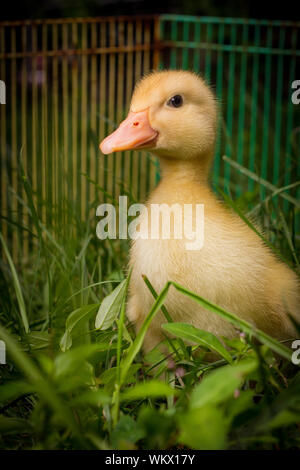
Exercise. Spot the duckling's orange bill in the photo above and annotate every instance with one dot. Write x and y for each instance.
(133, 133)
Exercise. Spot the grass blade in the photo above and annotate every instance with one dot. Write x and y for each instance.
(190, 333)
(149, 389)
(237, 322)
(137, 343)
(165, 312)
(17, 286)
(261, 181)
(250, 225)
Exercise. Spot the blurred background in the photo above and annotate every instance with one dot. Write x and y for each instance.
(70, 68)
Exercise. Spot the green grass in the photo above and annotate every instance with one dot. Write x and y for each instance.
(76, 377)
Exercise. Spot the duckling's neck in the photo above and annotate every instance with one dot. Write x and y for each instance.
(196, 170)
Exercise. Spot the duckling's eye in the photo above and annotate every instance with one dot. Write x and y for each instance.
(176, 101)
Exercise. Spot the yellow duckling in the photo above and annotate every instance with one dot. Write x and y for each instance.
(173, 114)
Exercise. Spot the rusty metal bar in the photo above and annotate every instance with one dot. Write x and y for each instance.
(44, 123)
(102, 175)
(74, 119)
(137, 179)
(14, 169)
(55, 139)
(67, 164)
(81, 52)
(111, 167)
(156, 42)
(88, 19)
(129, 83)
(24, 156)
(34, 133)
(83, 153)
(93, 119)
(120, 95)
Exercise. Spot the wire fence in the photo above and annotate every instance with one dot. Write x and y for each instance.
(69, 81)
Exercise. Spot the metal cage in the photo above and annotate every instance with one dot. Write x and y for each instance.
(69, 82)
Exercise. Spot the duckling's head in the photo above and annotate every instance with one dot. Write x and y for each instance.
(172, 114)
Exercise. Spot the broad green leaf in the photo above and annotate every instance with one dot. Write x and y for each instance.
(126, 431)
(79, 314)
(110, 375)
(236, 344)
(95, 398)
(74, 320)
(284, 409)
(38, 339)
(219, 385)
(46, 363)
(66, 341)
(204, 338)
(150, 389)
(244, 401)
(12, 390)
(203, 429)
(110, 307)
(284, 418)
(13, 425)
(159, 425)
(68, 362)
(42, 386)
(83, 377)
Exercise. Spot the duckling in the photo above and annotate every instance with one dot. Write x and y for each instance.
(173, 114)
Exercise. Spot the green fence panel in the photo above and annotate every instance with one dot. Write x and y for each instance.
(251, 64)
